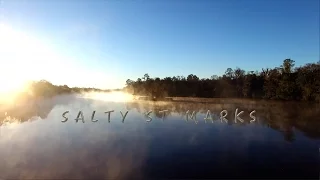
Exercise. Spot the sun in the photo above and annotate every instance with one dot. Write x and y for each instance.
(26, 57)
(21, 60)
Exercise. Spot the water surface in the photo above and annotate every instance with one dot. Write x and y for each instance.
(283, 141)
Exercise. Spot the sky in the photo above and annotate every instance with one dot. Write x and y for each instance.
(102, 43)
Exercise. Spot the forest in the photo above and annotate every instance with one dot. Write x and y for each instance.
(286, 82)
(45, 89)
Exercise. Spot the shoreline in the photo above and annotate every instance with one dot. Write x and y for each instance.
(218, 100)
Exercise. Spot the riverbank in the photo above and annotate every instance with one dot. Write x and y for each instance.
(216, 100)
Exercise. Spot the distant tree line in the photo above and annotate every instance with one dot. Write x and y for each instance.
(282, 83)
(45, 88)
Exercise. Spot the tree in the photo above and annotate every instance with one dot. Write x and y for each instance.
(229, 73)
(287, 65)
(146, 77)
(129, 82)
(192, 77)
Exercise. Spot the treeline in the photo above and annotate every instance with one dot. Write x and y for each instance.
(45, 88)
(282, 83)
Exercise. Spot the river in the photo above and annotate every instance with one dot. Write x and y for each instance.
(141, 140)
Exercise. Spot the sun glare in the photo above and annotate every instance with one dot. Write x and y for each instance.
(22, 58)
(25, 57)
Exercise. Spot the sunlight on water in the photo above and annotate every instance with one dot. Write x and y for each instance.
(108, 97)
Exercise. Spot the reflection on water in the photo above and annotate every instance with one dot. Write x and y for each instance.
(283, 140)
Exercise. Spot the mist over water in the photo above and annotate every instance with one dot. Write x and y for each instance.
(284, 140)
